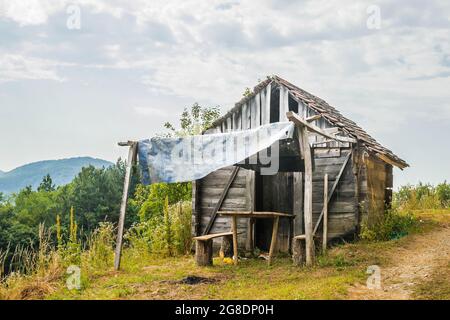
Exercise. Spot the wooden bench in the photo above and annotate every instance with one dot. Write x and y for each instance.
(204, 247)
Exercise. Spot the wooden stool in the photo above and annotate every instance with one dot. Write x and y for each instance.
(204, 247)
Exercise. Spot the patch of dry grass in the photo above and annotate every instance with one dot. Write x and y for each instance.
(436, 287)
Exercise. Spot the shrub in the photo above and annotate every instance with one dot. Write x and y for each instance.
(100, 254)
(423, 196)
(168, 234)
(393, 224)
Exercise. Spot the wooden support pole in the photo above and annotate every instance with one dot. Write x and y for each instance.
(355, 167)
(249, 243)
(325, 214)
(250, 200)
(123, 207)
(235, 239)
(307, 211)
(196, 225)
(273, 241)
(226, 248)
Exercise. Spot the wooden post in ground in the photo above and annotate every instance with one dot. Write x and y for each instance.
(273, 242)
(325, 214)
(309, 240)
(203, 252)
(123, 207)
(298, 251)
(235, 240)
(226, 248)
(250, 200)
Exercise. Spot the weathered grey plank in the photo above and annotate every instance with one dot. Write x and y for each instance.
(267, 105)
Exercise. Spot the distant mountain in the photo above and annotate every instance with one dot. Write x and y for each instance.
(62, 172)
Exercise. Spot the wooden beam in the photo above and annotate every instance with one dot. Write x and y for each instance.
(235, 239)
(256, 214)
(273, 241)
(300, 121)
(128, 143)
(386, 159)
(332, 131)
(307, 211)
(213, 235)
(196, 206)
(313, 118)
(325, 214)
(219, 203)
(123, 207)
(250, 200)
(333, 188)
(355, 167)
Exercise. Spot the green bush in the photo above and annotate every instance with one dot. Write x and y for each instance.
(100, 255)
(393, 224)
(168, 233)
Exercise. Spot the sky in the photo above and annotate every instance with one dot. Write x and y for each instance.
(76, 77)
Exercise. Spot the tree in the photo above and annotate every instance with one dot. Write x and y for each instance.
(46, 184)
(194, 121)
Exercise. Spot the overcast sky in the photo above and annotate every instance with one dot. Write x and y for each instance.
(76, 77)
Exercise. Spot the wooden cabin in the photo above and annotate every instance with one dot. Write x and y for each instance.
(359, 173)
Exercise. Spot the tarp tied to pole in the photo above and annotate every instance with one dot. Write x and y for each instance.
(181, 159)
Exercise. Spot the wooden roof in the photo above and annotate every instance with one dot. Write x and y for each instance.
(330, 114)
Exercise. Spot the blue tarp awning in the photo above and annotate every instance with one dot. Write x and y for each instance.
(189, 158)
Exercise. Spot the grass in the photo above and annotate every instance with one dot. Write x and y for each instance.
(147, 276)
(153, 277)
(251, 279)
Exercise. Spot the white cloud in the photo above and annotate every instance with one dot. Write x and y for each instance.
(29, 12)
(14, 67)
(37, 12)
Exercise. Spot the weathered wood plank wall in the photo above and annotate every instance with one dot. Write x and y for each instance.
(211, 187)
(377, 184)
(341, 210)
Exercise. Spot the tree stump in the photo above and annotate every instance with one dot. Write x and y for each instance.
(226, 249)
(204, 252)
(298, 252)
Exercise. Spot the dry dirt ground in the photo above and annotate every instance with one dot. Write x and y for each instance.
(423, 257)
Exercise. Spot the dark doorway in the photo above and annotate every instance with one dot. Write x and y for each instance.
(273, 193)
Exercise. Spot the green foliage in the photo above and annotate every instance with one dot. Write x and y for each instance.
(166, 234)
(194, 121)
(95, 196)
(423, 196)
(149, 200)
(46, 184)
(100, 255)
(394, 224)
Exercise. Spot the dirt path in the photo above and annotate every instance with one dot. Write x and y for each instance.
(411, 265)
